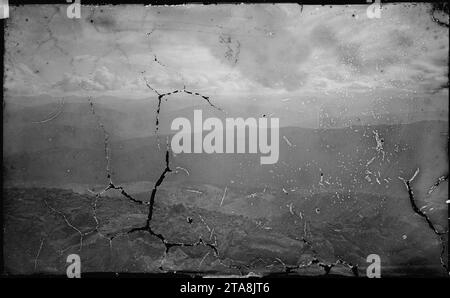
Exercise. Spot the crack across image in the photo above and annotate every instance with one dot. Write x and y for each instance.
(417, 210)
(356, 105)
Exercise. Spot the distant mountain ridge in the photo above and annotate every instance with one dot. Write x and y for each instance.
(137, 117)
(320, 159)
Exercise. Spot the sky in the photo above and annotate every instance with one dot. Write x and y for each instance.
(276, 52)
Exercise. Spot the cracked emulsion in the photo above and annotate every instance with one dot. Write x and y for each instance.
(232, 54)
(168, 245)
(327, 267)
(147, 227)
(417, 210)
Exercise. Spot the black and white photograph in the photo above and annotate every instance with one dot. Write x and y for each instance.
(227, 140)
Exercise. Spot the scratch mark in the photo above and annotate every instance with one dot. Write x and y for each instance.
(287, 141)
(194, 191)
(38, 253)
(223, 197)
(380, 141)
(52, 115)
(438, 182)
(178, 169)
(201, 262)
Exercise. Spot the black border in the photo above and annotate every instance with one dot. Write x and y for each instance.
(169, 283)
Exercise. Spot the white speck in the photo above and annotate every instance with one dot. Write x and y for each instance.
(223, 197)
(370, 161)
(287, 141)
(290, 209)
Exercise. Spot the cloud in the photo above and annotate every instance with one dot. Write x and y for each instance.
(71, 82)
(107, 79)
(240, 49)
(21, 79)
(101, 80)
(272, 55)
